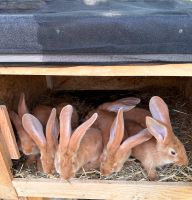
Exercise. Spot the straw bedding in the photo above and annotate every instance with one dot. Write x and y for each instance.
(181, 117)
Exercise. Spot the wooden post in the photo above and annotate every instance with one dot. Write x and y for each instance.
(49, 82)
(8, 134)
(7, 190)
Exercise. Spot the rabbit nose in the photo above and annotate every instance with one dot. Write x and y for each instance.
(67, 176)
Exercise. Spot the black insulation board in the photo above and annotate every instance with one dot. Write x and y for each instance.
(127, 29)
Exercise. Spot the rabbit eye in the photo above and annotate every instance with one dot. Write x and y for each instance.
(172, 151)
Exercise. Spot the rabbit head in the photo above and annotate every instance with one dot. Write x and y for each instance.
(66, 161)
(116, 154)
(26, 144)
(48, 142)
(171, 148)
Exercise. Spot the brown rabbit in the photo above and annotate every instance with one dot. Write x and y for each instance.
(116, 154)
(106, 118)
(26, 144)
(80, 149)
(42, 112)
(164, 148)
(47, 144)
(136, 114)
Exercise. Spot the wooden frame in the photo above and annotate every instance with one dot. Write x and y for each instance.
(95, 189)
(14, 188)
(123, 70)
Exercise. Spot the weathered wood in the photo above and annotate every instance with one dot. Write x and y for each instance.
(94, 189)
(8, 134)
(121, 70)
(6, 188)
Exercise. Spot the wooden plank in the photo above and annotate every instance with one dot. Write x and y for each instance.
(121, 70)
(5, 150)
(97, 189)
(8, 134)
(6, 188)
(32, 198)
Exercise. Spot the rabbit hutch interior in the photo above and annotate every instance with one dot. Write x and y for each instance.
(96, 99)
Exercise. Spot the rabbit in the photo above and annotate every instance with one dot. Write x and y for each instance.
(115, 153)
(136, 114)
(48, 142)
(164, 147)
(80, 149)
(106, 115)
(42, 112)
(25, 144)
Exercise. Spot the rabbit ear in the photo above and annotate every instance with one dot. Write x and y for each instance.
(116, 132)
(15, 119)
(35, 130)
(130, 101)
(65, 127)
(115, 106)
(157, 129)
(22, 107)
(135, 140)
(52, 129)
(78, 134)
(159, 110)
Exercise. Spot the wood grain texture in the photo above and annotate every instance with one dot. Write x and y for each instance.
(8, 134)
(121, 70)
(93, 189)
(6, 188)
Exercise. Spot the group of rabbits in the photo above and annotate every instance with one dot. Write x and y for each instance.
(109, 135)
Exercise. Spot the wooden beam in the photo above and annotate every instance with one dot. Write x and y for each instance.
(8, 134)
(97, 189)
(6, 188)
(121, 70)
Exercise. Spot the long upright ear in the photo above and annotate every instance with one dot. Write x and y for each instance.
(157, 129)
(115, 106)
(78, 134)
(159, 110)
(15, 119)
(135, 140)
(52, 129)
(130, 101)
(116, 132)
(35, 130)
(22, 107)
(65, 127)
